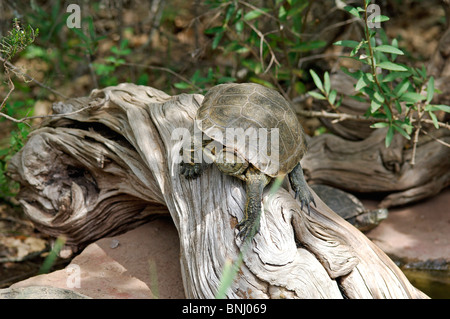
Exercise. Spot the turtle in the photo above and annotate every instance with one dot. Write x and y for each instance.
(349, 207)
(248, 110)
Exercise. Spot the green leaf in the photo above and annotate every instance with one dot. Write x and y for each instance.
(229, 274)
(358, 98)
(387, 111)
(395, 75)
(316, 80)
(308, 46)
(352, 10)
(379, 125)
(402, 87)
(236, 47)
(326, 84)
(434, 118)
(317, 95)
(365, 80)
(402, 132)
(360, 84)
(375, 105)
(216, 40)
(262, 82)
(300, 87)
(398, 106)
(239, 26)
(412, 97)
(377, 96)
(254, 14)
(389, 136)
(226, 79)
(439, 107)
(230, 11)
(182, 85)
(392, 66)
(214, 30)
(347, 43)
(379, 18)
(282, 13)
(332, 97)
(430, 89)
(388, 49)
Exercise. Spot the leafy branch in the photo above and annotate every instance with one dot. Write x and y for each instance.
(16, 41)
(400, 96)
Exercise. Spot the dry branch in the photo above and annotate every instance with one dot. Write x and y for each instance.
(103, 170)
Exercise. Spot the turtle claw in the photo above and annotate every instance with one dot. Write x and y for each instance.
(190, 171)
(301, 189)
(247, 229)
(307, 199)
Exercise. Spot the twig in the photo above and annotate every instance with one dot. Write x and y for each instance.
(263, 39)
(11, 88)
(361, 118)
(18, 71)
(315, 57)
(372, 62)
(160, 68)
(415, 141)
(341, 116)
(436, 139)
(24, 119)
(440, 124)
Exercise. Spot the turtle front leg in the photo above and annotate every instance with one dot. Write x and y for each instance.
(255, 183)
(193, 164)
(300, 187)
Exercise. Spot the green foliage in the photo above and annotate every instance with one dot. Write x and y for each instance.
(87, 42)
(17, 138)
(266, 42)
(398, 94)
(203, 82)
(53, 255)
(106, 70)
(18, 39)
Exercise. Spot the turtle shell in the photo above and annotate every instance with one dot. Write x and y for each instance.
(349, 207)
(344, 204)
(234, 114)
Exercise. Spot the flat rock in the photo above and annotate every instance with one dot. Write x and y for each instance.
(39, 292)
(142, 263)
(419, 232)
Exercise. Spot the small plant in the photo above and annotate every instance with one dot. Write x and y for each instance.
(106, 70)
(9, 188)
(17, 40)
(399, 96)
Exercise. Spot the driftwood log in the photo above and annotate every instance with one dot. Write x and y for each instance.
(114, 164)
(367, 166)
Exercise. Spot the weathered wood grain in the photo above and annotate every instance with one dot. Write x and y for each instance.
(106, 169)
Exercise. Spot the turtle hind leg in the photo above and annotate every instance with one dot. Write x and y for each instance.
(300, 187)
(255, 183)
